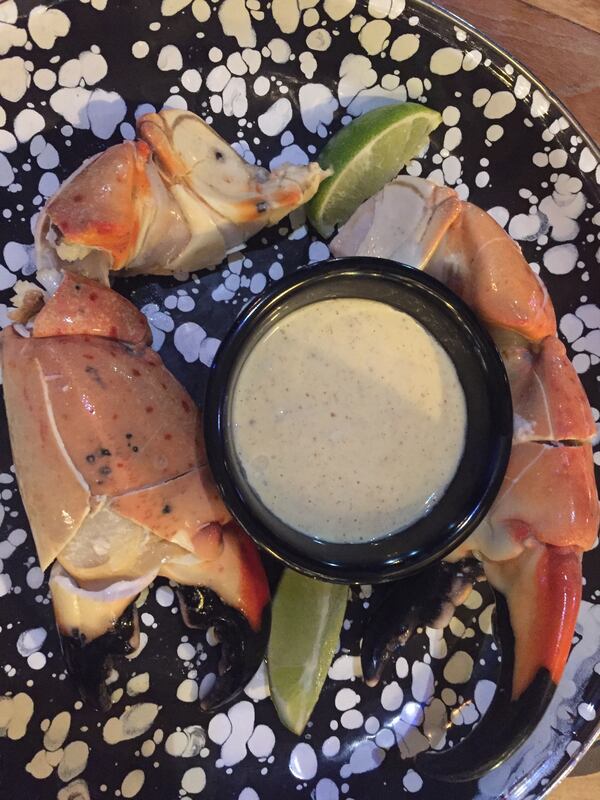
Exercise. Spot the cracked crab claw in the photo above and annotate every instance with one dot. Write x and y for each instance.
(95, 625)
(113, 475)
(238, 611)
(549, 401)
(190, 153)
(415, 222)
(546, 514)
(530, 546)
(177, 200)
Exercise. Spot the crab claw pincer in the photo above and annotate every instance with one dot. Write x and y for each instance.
(546, 513)
(232, 596)
(94, 627)
(177, 199)
(426, 599)
(112, 471)
(531, 554)
(537, 600)
(242, 648)
(230, 593)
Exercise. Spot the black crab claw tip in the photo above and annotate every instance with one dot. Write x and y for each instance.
(89, 662)
(242, 648)
(505, 725)
(426, 599)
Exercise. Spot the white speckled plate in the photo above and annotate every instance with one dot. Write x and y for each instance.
(277, 78)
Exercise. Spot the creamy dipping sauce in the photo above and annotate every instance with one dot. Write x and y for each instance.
(348, 420)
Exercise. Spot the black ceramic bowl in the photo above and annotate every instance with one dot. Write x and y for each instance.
(488, 434)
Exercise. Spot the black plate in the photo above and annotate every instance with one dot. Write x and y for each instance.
(524, 158)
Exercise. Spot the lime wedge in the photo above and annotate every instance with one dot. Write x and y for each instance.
(364, 156)
(307, 617)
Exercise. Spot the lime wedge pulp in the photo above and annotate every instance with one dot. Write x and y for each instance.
(365, 155)
(307, 616)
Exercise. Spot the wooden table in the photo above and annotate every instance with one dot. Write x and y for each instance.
(559, 41)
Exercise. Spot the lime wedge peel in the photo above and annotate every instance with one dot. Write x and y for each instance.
(307, 616)
(364, 156)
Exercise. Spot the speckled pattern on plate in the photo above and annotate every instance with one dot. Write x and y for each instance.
(277, 79)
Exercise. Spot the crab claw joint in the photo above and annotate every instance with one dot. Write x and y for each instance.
(537, 600)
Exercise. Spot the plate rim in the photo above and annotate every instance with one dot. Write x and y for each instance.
(574, 760)
(451, 16)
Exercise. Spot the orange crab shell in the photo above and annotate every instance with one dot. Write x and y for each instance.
(182, 504)
(549, 401)
(105, 216)
(93, 419)
(55, 497)
(549, 493)
(124, 420)
(80, 307)
(482, 264)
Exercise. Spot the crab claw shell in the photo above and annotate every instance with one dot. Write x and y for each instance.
(93, 221)
(479, 261)
(83, 307)
(230, 591)
(410, 237)
(242, 647)
(189, 151)
(178, 510)
(54, 495)
(92, 418)
(111, 469)
(531, 542)
(91, 611)
(549, 401)
(545, 515)
(549, 495)
(109, 619)
(177, 201)
(232, 594)
(427, 599)
(151, 434)
(537, 599)
(415, 222)
(237, 575)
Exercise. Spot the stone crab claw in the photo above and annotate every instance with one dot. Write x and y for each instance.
(546, 513)
(178, 199)
(530, 547)
(112, 471)
(458, 243)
